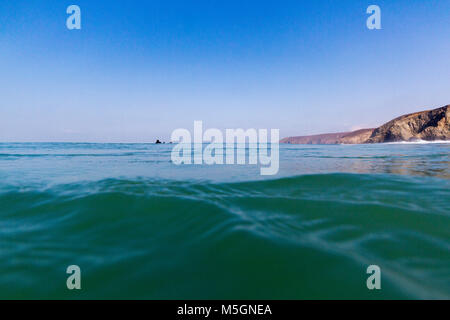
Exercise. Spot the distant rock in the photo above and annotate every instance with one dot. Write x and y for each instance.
(425, 125)
(157, 142)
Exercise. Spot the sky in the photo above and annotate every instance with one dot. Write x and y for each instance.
(137, 70)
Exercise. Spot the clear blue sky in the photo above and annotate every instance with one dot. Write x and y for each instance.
(139, 69)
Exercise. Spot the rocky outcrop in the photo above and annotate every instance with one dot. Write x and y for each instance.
(425, 125)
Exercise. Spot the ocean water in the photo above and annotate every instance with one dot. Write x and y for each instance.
(141, 227)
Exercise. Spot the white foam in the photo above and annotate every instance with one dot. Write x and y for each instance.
(419, 142)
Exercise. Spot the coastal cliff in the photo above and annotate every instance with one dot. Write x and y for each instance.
(427, 125)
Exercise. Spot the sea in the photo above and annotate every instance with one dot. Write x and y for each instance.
(140, 227)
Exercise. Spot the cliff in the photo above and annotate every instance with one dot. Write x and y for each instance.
(425, 125)
(358, 136)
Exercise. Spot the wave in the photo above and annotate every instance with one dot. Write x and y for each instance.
(308, 236)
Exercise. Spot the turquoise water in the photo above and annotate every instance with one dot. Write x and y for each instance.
(140, 227)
